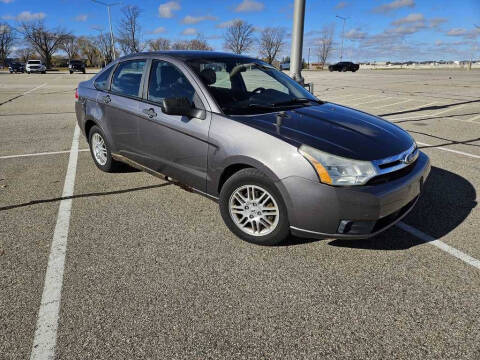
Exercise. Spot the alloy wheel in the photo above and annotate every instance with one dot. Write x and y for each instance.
(254, 210)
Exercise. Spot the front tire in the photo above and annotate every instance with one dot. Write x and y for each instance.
(253, 208)
(100, 150)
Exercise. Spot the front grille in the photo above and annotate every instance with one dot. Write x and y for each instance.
(394, 175)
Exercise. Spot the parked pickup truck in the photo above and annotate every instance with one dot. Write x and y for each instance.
(76, 65)
(35, 66)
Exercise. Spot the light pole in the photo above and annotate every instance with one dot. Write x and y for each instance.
(108, 6)
(297, 41)
(343, 33)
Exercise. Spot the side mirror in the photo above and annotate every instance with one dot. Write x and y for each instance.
(182, 107)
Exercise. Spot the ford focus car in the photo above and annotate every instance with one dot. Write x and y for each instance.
(277, 159)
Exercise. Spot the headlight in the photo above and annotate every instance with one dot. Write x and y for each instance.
(337, 170)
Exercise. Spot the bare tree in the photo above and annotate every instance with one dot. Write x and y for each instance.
(24, 54)
(239, 37)
(129, 30)
(88, 50)
(271, 42)
(43, 40)
(7, 38)
(325, 44)
(70, 46)
(104, 46)
(195, 44)
(159, 44)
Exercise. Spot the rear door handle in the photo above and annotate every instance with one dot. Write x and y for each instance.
(106, 99)
(150, 112)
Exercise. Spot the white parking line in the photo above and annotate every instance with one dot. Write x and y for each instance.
(440, 244)
(431, 115)
(372, 101)
(45, 338)
(35, 88)
(362, 97)
(332, 96)
(397, 103)
(449, 150)
(418, 107)
(39, 154)
(474, 118)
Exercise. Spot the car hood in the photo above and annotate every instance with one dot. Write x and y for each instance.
(335, 129)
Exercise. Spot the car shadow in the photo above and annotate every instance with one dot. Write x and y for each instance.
(446, 202)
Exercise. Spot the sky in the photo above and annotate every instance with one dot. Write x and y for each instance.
(375, 30)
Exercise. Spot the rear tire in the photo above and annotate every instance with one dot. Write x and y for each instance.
(100, 150)
(253, 209)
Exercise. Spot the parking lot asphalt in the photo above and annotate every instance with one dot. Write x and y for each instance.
(151, 271)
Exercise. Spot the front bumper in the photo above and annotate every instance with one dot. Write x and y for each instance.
(316, 210)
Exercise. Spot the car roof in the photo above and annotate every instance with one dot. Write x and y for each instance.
(189, 54)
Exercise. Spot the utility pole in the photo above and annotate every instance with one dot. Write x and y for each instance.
(108, 6)
(343, 34)
(308, 60)
(297, 41)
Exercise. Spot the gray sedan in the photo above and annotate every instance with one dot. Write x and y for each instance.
(278, 160)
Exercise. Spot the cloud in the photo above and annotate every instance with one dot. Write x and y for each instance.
(25, 16)
(249, 5)
(97, 27)
(355, 34)
(189, 31)
(466, 34)
(409, 19)
(436, 22)
(158, 30)
(81, 17)
(341, 5)
(226, 24)
(457, 32)
(196, 19)
(407, 29)
(394, 5)
(6, 1)
(166, 10)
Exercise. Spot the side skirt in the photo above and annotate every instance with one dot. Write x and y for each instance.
(159, 175)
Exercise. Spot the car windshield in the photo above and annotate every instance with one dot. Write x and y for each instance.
(75, 62)
(34, 61)
(243, 86)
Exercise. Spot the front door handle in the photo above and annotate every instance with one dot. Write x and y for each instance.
(150, 112)
(107, 99)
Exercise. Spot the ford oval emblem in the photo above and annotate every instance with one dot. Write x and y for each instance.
(410, 158)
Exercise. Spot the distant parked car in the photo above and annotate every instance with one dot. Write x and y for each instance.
(285, 66)
(344, 66)
(76, 65)
(35, 66)
(15, 67)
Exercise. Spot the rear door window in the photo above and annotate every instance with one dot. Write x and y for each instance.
(128, 77)
(166, 80)
(101, 83)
